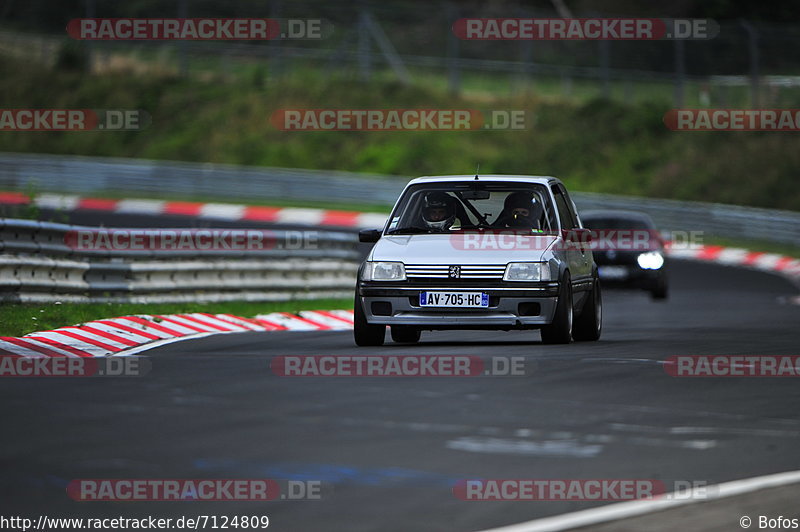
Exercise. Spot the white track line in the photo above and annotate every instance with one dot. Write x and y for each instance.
(624, 510)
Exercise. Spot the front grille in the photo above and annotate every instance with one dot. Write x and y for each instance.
(465, 272)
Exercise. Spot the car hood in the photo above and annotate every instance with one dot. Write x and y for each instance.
(462, 248)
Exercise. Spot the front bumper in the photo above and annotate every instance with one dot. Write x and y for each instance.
(627, 275)
(510, 307)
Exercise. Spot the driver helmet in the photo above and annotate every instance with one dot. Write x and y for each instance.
(520, 209)
(438, 211)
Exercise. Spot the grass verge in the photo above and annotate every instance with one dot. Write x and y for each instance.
(21, 319)
(595, 145)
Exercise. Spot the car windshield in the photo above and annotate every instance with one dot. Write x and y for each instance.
(470, 205)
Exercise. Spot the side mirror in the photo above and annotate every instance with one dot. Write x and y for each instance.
(581, 235)
(586, 235)
(369, 235)
(580, 238)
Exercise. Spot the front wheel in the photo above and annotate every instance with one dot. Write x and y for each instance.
(590, 322)
(403, 334)
(660, 292)
(364, 333)
(560, 330)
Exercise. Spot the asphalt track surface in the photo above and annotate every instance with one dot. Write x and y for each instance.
(388, 450)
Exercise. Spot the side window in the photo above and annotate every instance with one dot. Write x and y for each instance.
(571, 206)
(563, 210)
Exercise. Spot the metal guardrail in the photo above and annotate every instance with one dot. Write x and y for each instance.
(93, 175)
(98, 175)
(713, 219)
(37, 265)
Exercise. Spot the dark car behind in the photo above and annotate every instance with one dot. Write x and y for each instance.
(628, 250)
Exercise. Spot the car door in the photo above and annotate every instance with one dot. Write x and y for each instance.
(586, 251)
(579, 257)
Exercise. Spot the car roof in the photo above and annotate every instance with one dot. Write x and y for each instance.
(542, 180)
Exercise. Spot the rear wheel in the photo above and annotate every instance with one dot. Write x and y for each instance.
(364, 333)
(589, 324)
(560, 330)
(404, 334)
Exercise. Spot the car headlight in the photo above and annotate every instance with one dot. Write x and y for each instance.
(383, 271)
(527, 271)
(652, 260)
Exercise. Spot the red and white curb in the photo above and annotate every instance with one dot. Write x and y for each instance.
(743, 258)
(208, 211)
(132, 334)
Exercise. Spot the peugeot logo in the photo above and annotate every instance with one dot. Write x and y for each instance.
(454, 272)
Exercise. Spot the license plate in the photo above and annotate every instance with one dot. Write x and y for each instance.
(612, 272)
(454, 299)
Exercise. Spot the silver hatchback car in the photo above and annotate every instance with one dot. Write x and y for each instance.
(494, 252)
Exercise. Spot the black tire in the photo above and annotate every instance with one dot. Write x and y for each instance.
(405, 334)
(660, 292)
(366, 334)
(560, 331)
(589, 324)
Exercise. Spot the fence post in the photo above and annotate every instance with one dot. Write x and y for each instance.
(605, 57)
(364, 59)
(680, 72)
(183, 61)
(274, 45)
(387, 49)
(752, 49)
(453, 72)
(566, 84)
(90, 13)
